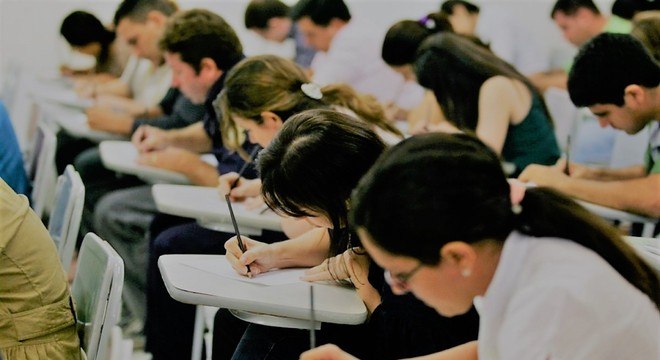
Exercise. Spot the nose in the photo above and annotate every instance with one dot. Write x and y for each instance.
(602, 122)
(398, 289)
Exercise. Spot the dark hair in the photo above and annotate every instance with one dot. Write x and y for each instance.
(196, 34)
(137, 10)
(404, 37)
(570, 7)
(321, 12)
(455, 68)
(314, 163)
(81, 28)
(628, 8)
(271, 83)
(447, 7)
(437, 188)
(605, 65)
(258, 12)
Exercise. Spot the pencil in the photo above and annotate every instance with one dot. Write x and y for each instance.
(567, 169)
(241, 244)
(245, 165)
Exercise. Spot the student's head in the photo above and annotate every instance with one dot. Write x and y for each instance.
(320, 20)
(261, 92)
(435, 206)
(646, 29)
(199, 47)
(311, 167)
(269, 19)
(141, 24)
(455, 68)
(627, 9)
(578, 20)
(85, 33)
(404, 37)
(462, 15)
(616, 77)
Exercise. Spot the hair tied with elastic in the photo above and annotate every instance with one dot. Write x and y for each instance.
(312, 90)
(427, 22)
(516, 193)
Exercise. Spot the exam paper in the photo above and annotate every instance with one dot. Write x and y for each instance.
(220, 266)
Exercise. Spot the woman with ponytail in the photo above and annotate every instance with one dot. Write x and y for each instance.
(550, 280)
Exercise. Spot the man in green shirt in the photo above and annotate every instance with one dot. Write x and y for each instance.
(618, 80)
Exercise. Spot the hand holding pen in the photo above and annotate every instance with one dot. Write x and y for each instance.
(567, 168)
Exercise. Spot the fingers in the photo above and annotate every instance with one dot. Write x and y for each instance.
(318, 273)
(326, 352)
(225, 182)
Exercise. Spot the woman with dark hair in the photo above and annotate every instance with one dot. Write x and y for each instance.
(481, 93)
(86, 34)
(308, 171)
(550, 279)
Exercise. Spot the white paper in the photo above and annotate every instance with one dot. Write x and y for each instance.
(220, 266)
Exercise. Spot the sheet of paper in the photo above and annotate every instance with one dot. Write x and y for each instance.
(221, 267)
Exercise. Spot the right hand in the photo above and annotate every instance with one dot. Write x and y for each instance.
(148, 138)
(576, 170)
(258, 255)
(244, 187)
(326, 352)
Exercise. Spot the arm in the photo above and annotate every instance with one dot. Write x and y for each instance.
(640, 195)
(495, 111)
(193, 138)
(547, 79)
(332, 352)
(182, 161)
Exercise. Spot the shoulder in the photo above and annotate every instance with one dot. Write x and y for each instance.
(497, 85)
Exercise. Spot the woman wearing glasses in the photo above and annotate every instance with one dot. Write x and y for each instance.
(550, 280)
(308, 171)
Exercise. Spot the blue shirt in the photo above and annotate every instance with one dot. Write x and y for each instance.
(12, 170)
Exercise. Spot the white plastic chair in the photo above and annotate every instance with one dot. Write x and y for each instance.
(42, 170)
(619, 215)
(648, 249)
(204, 316)
(64, 222)
(96, 291)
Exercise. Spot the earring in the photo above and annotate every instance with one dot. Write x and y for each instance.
(466, 272)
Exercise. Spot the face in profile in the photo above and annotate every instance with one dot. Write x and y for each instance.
(573, 27)
(263, 133)
(316, 36)
(142, 37)
(184, 78)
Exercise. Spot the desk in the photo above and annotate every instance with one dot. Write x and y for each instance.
(121, 156)
(74, 122)
(210, 210)
(332, 304)
(614, 214)
(59, 92)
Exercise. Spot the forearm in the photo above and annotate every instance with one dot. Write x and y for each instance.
(627, 173)
(113, 87)
(641, 196)
(192, 137)
(203, 174)
(467, 351)
(309, 249)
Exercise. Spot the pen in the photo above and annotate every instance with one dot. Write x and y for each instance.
(312, 327)
(241, 244)
(567, 170)
(244, 167)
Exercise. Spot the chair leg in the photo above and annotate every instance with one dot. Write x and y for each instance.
(198, 334)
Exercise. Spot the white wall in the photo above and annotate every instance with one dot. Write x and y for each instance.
(29, 29)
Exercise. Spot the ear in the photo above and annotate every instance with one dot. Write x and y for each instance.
(157, 17)
(271, 120)
(208, 67)
(459, 255)
(634, 96)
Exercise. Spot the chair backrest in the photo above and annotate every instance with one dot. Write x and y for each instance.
(620, 215)
(64, 221)
(42, 169)
(648, 249)
(96, 290)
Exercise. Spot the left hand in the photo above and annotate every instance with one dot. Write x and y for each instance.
(352, 264)
(541, 175)
(170, 158)
(326, 352)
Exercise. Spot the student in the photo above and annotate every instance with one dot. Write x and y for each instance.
(628, 99)
(36, 312)
(628, 9)
(12, 170)
(86, 34)
(579, 21)
(540, 269)
(308, 171)
(344, 49)
(270, 20)
(646, 29)
(479, 92)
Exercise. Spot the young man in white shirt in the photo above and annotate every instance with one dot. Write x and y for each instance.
(350, 54)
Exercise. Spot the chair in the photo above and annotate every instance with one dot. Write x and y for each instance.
(42, 170)
(64, 222)
(96, 291)
(648, 249)
(619, 215)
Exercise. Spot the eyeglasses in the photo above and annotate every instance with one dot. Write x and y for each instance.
(401, 279)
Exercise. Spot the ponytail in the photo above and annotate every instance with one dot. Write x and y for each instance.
(404, 37)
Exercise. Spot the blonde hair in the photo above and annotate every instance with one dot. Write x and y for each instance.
(646, 28)
(271, 83)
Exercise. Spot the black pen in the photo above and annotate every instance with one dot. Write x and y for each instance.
(567, 170)
(241, 244)
(312, 327)
(244, 167)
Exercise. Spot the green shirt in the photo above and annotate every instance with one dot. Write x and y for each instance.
(652, 156)
(614, 25)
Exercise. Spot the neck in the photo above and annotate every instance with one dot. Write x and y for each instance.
(600, 22)
(655, 102)
(489, 252)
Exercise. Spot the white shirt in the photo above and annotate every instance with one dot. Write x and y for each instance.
(554, 299)
(354, 58)
(148, 84)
